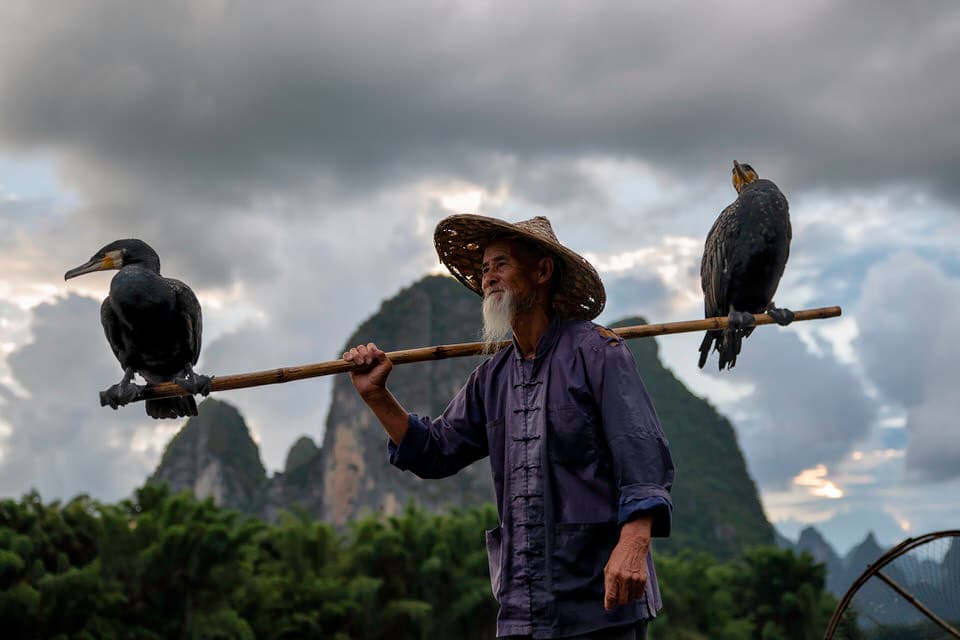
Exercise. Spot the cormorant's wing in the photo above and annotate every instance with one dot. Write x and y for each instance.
(717, 262)
(113, 329)
(189, 306)
(775, 226)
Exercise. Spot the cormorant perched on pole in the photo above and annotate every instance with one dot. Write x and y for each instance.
(153, 325)
(743, 259)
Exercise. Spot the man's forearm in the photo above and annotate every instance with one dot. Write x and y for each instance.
(389, 412)
(637, 531)
(625, 575)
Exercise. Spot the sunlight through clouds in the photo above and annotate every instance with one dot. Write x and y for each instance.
(457, 196)
(464, 201)
(901, 521)
(671, 262)
(819, 485)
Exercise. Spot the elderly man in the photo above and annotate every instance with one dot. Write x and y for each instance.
(581, 468)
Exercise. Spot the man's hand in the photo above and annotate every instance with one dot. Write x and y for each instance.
(625, 576)
(370, 378)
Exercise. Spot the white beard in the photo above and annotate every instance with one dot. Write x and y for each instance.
(498, 310)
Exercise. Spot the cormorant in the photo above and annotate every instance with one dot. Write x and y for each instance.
(743, 259)
(153, 325)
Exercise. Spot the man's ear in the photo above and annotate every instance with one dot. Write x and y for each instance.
(544, 269)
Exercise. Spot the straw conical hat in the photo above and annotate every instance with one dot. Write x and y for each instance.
(461, 239)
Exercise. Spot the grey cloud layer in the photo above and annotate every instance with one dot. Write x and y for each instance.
(910, 350)
(208, 99)
(805, 409)
(61, 441)
(177, 120)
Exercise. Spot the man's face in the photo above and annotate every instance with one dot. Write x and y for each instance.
(508, 285)
(506, 266)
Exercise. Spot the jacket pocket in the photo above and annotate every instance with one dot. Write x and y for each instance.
(572, 436)
(581, 551)
(494, 542)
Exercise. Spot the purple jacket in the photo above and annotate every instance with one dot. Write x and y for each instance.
(576, 450)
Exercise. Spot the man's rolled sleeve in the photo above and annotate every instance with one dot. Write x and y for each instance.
(414, 441)
(658, 507)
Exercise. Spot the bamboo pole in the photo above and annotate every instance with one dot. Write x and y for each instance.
(441, 352)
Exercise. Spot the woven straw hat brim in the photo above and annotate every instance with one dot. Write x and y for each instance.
(460, 241)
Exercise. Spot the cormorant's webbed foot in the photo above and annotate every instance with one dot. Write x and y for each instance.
(782, 317)
(124, 392)
(741, 320)
(195, 382)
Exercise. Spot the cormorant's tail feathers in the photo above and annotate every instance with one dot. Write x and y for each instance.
(175, 407)
(729, 347)
(706, 345)
(727, 343)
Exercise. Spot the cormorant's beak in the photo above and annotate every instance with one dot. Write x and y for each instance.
(100, 263)
(742, 176)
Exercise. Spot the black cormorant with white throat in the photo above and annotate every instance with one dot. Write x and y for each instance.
(153, 325)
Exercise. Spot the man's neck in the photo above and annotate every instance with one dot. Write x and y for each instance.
(528, 327)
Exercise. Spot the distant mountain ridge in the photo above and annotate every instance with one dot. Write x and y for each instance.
(931, 574)
(717, 506)
(214, 456)
(842, 571)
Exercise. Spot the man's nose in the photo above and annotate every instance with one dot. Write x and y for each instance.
(488, 281)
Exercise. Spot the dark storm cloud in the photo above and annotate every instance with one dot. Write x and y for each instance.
(555, 183)
(61, 441)
(214, 101)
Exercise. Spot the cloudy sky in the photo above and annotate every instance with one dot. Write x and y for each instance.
(290, 160)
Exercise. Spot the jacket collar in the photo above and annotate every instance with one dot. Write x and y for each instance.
(547, 340)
